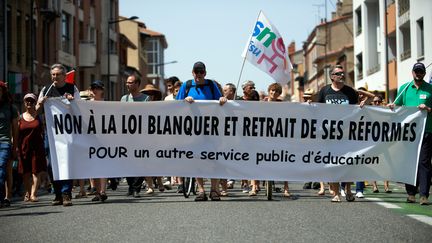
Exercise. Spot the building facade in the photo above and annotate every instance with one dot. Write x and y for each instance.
(330, 43)
(390, 36)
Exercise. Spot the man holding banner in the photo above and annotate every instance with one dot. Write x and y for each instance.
(59, 88)
(202, 89)
(338, 93)
(419, 93)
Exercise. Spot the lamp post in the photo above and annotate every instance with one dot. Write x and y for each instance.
(109, 88)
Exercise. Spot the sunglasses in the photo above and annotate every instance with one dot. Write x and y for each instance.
(31, 101)
(200, 71)
(338, 74)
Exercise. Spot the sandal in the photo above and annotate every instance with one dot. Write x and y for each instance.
(214, 196)
(287, 194)
(223, 194)
(201, 197)
(387, 190)
(26, 198)
(375, 190)
(252, 193)
(336, 199)
(321, 192)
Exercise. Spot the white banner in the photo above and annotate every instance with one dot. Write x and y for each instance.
(266, 50)
(240, 140)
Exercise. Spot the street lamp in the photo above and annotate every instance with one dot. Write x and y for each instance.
(109, 88)
(165, 63)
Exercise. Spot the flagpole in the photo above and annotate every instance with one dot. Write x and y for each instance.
(244, 59)
(399, 95)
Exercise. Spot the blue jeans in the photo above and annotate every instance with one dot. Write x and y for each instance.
(5, 154)
(63, 187)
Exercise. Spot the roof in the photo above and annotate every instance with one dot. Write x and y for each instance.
(153, 33)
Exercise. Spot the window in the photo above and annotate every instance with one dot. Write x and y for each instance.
(9, 36)
(28, 40)
(81, 30)
(66, 34)
(152, 47)
(420, 38)
(404, 6)
(19, 47)
(405, 41)
(358, 20)
(46, 41)
(359, 66)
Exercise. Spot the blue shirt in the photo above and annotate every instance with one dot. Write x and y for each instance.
(200, 92)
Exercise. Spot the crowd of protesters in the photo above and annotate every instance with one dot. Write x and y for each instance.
(23, 137)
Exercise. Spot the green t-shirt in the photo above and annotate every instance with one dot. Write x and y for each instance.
(130, 98)
(412, 96)
(7, 113)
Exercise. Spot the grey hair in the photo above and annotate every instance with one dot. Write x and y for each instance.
(248, 83)
(335, 67)
(59, 66)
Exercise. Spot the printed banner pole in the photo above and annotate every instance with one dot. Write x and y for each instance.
(244, 60)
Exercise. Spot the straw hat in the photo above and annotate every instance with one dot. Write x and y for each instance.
(308, 93)
(151, 90)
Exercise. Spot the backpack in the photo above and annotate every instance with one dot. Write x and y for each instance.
(208, 82)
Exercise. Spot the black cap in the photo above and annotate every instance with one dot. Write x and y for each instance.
(97, 84)
(199, 66)
(419, 67)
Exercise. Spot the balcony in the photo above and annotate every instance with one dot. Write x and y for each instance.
(87, 57)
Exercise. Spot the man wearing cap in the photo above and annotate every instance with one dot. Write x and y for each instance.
(59, 88)
(419, 93)
(200, 88)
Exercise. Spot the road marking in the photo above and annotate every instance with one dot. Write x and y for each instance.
(384, 204)
(421, 218)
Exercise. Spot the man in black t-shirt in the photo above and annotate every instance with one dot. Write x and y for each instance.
(338, 93)
(59, 88)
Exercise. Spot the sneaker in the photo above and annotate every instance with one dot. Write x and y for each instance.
(230, 184)
(350, 197)
(58, 200)
(201, 197)
(92, 191)
(67, 200)
(179, 189)
(359, 195)
(214, 196)
(342, 193)
(245, 189)
(424, 200)
(103, 197)
(6, 203)
(149, 191)
(96, 198)
(307, 185)
(411, 199)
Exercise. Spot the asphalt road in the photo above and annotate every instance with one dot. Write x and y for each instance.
(169, 217)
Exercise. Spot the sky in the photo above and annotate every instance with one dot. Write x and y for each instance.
(216, 32)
